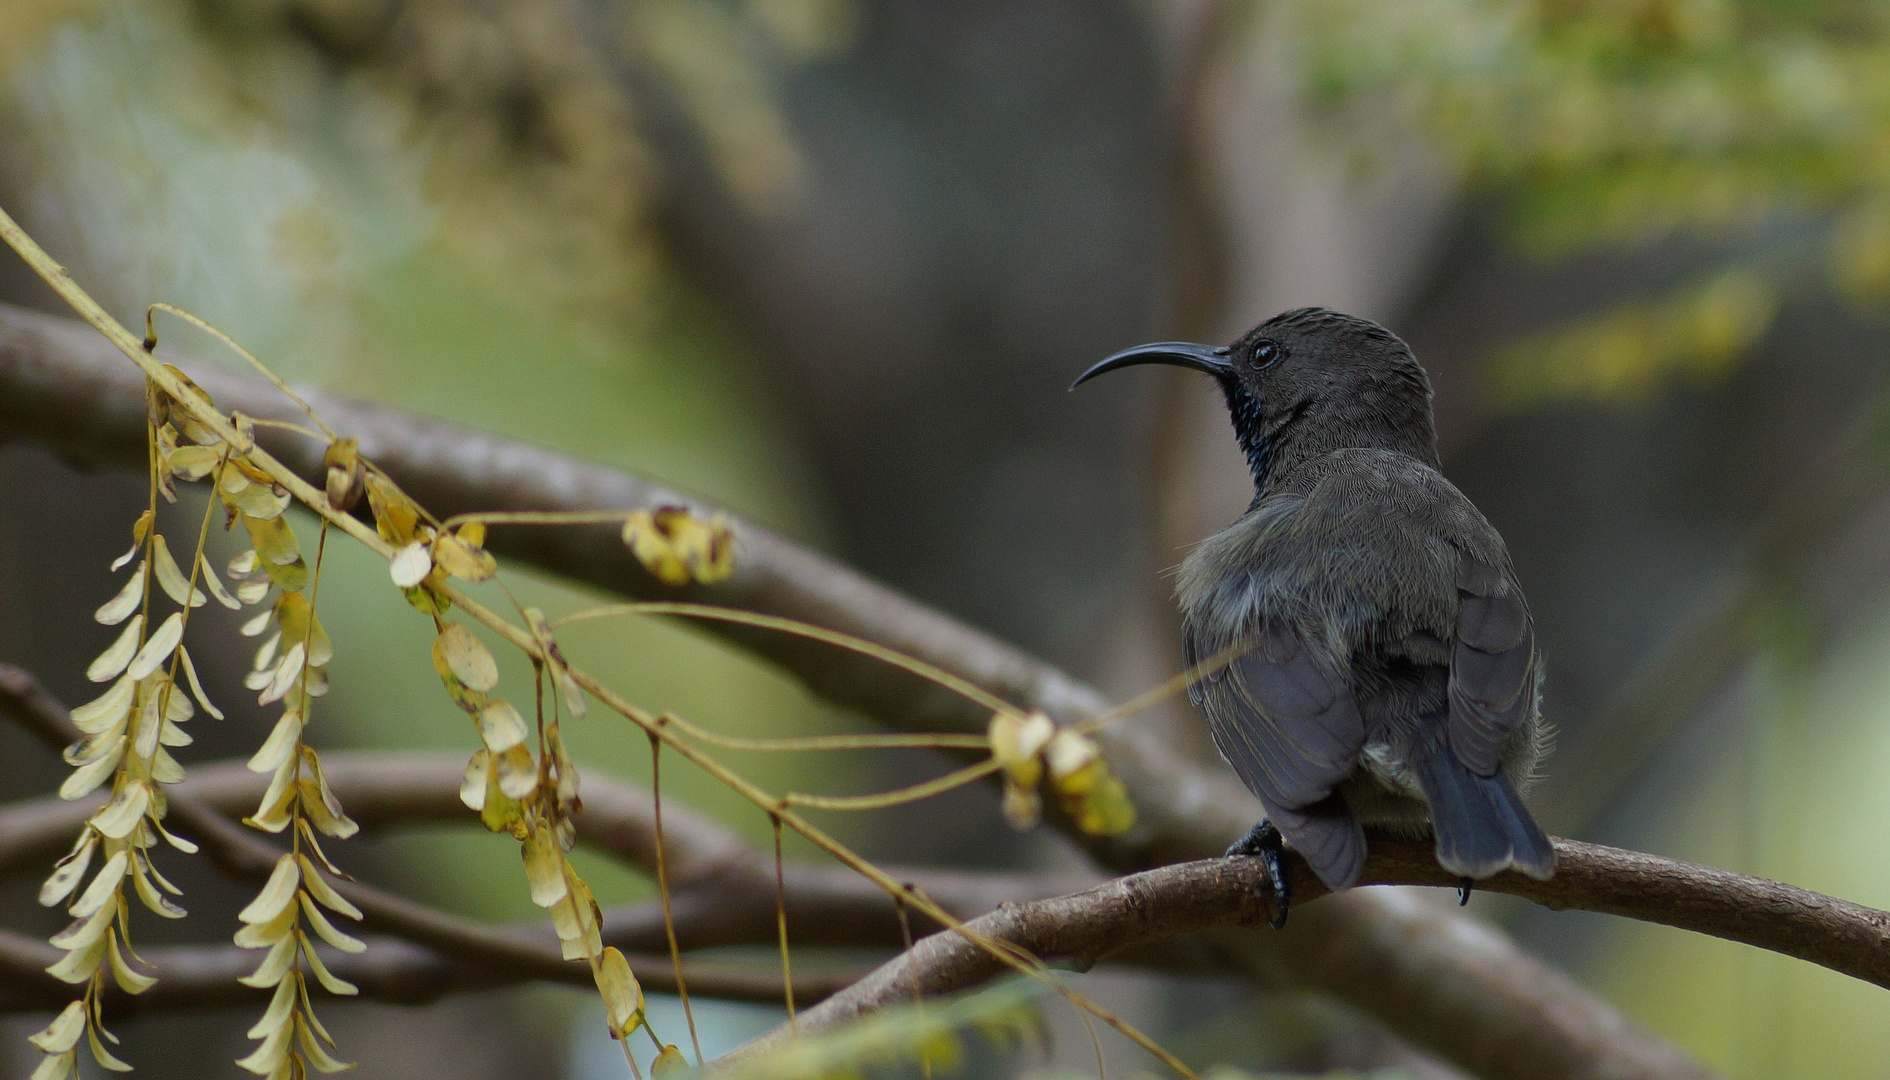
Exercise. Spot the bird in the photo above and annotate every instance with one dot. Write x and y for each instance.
(1366, 654)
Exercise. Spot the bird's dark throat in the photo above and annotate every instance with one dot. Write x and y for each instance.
(1256, 431)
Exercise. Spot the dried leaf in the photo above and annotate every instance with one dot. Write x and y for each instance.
(568, 687)
(1016, 742)
(563, 770)
(466, 658)
(327, 931)
(272, 814)
(129, 980)
(472, 789)
(281, 1004)
(241, 565)
(500, 812)
(169, 577)
(454, 553)
(623, 997)
(396, 517)
(654, 550)
(289, 577)
(272, 1056)
(86, 929)
(85, 779)
(158, 648)
(275, 541)
(577, 921)
(518, 775)
(1069, 755)
(58, 1067)
(114, 611)
(286, 673)
(260, 500)
(544, 869)
(193, 462)
(209, 578)
(410, 565)
(273, 967)
(63, 1033)
(107, 710)
(319, 801)
(152, 898)
(150, 723)
(79, 964)
(266, 933)
(1023, 807)
(139, 530)
(280, 744)
(276, 894)
(258, 624)
(501, 727)
(69, 870)
(346, 480)
(196, 687)
(165, 769)
(113, 660)
(325, 893)
(117, 818)
(100, 1054)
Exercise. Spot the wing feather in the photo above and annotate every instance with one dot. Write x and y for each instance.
(1492, 666)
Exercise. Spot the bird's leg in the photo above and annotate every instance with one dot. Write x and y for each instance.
(1266, 842)
(1464, 885)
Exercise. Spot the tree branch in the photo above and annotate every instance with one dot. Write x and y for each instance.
(1084, 928)
(64, 387)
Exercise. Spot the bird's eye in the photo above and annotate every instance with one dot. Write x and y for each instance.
(1266, 353)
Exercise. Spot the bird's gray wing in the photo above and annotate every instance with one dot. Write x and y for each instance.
(1283, 716)
(1288, 723)
(1492, 664)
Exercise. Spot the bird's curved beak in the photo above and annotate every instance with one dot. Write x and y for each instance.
(1209, 358)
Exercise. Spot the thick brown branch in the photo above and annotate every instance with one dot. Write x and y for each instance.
(62, 386)
(1086, 927)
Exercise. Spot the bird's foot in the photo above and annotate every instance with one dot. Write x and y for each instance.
(1464, 885)
(1266, 842)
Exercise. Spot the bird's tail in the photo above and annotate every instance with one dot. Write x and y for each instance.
(1481, 823)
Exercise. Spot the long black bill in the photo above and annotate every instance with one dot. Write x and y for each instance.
(1209, 358)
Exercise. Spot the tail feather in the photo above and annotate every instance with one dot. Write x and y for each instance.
(1481, 823)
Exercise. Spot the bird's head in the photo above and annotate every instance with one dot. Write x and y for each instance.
(1306, 382)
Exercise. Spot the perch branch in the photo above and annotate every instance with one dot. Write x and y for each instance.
(1086, 927)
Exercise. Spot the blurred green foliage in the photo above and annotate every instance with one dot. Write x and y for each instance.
(1759, 127)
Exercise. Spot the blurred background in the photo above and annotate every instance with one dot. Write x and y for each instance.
(831, 263)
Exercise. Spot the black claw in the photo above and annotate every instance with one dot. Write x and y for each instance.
(1464, 885)
(1265, 842)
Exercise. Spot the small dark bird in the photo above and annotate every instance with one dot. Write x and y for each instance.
(1386, 670)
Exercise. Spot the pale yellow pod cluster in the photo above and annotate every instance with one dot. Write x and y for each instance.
(129, 731)
(503, 777)
(1030, 748)
(533, 798)
(296, 893)
(678, 548)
